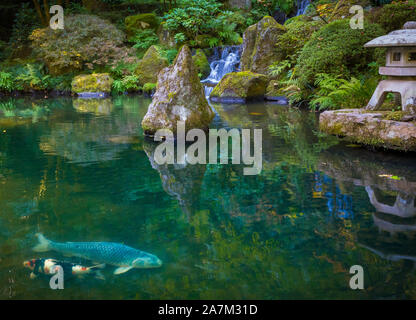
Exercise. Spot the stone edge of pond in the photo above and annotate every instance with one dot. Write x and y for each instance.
(370, 128)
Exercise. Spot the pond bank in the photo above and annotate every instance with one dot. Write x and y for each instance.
(375, 128)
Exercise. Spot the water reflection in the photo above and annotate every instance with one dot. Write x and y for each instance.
(84, 172)
(390, 183)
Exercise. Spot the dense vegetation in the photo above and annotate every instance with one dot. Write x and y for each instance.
(321, 59)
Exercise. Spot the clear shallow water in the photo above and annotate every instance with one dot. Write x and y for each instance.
(80, 170)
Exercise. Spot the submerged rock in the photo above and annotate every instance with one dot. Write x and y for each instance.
(259, 50)
(96, 85)
(179, 96)
(370, 128)
(151, 64)
(240, 87)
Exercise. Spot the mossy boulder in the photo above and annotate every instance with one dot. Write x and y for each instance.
(92, 85)
(369, 128)
(259, 50)
(140, 22)
(151, 64)
(201, 63)
(179, 96)
(240, 87)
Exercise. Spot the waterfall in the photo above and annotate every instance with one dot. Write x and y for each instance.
(302, 6)
(224, 60)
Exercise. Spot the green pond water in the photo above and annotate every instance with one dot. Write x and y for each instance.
(81, 170)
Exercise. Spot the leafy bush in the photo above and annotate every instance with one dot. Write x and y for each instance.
(86, 41)
(6, 81)
(128, 83)
(292, 41)
(201, 17)
(143, 39)
(337, 49)
(32, 78)
(393, 16)
(335, 92)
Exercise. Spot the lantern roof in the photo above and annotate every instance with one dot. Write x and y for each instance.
(405, 37)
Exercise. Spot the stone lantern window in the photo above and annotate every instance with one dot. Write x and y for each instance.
(400, 68)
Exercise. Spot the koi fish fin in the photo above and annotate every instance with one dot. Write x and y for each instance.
(43, 245)
(121, 270)
(98, 266)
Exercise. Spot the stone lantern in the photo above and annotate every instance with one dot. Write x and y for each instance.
(400, 68)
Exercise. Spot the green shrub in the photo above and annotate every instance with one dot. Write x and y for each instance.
(336, 49)
(333, 92)
(393, 16)
(128, 83)
(292, 41)
(143, 39)
(196, 18)
(86, 42)
(149, 87)
(6, 81)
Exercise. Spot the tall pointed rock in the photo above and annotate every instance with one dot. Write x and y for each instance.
(179, 96)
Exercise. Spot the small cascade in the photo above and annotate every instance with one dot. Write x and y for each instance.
(302, 6)
(225, 60)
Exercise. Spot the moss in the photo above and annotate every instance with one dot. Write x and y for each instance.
(149, 87)
(151, 64)
(394, 115)
(96, 82)
(245, 84)
(201, 63)
(140, 22)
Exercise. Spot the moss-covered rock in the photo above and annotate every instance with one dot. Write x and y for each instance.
(201, 63)
(369, 128)
(240, 87)
(179, 96)
(140, 22)
(148, 68)
(96, 84)
(259, 50)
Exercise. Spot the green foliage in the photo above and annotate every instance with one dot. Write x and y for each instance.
(170, 54)
(149, 87)
(86, 42)
(335, 92)
(144, 39)
(336, 49)
(6, 81)
(126, 84)
(267, 7)
(194, 18)
(292, 41)
(278, 68)
(25, 22)
(393, 16)
(32, 78)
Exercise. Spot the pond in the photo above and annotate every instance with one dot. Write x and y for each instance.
(81, 170)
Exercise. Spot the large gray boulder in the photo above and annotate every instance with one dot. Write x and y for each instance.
(259, 50)
(179, 96)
